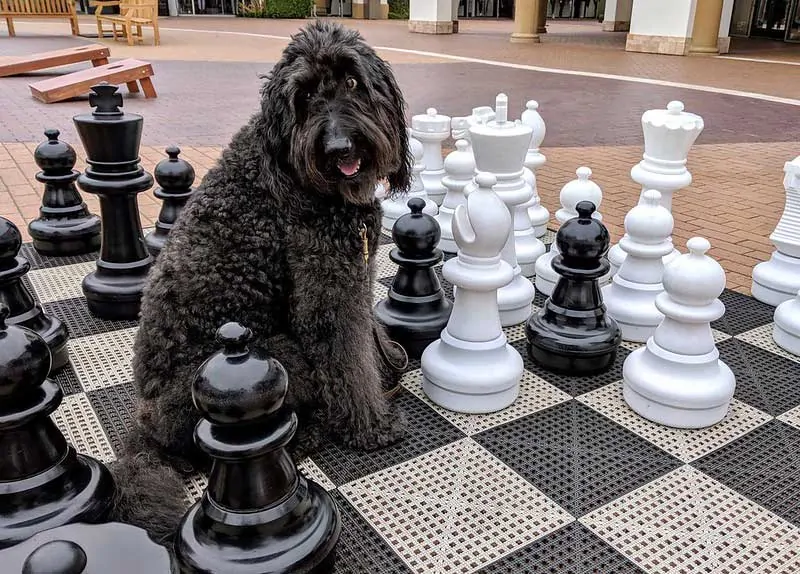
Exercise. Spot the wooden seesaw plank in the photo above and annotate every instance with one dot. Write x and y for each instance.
(72, 85)
(96, 53)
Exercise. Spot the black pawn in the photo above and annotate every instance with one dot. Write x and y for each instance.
(258, 513)
(64, 226)
(111, 139)
(175, 177)
(572, 334)
(416, 310)
(44, 483)
(22, 307)
(88, 549)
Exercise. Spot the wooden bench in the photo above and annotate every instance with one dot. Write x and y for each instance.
(97, 54)
(133, 15)
(72, 85)
(10, 9)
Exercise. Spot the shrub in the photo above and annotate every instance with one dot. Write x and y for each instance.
(398, 9)
(275, 8)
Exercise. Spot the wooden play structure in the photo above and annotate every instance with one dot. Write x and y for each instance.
(128, 71)
(134, 15)
(97, 54)
(10, 9)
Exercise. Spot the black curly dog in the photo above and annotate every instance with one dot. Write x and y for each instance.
(273, 239)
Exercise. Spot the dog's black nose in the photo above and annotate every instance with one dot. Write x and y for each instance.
(338, 144)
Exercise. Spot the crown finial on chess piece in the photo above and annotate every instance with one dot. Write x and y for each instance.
(501, 109)
(106, 100)
(675, 107)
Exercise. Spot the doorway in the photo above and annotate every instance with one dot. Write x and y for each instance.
(770, 18)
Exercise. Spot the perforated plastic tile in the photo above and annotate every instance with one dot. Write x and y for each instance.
(379, 292)
(68, 380)
(426, 430)
(570, 384)
(685, 444)
(576, 456)
(80, 322)
(686, 522)
(548, 237)
(535, 395)
(763, 379)
(38, 261)
(104, 359)
(764, 466)
(311, 471)
(791, 417)
(539, 299)
(438, 514)
(385, 266)
(58, 283)
(82, 429)
(115, 407)
(515, 332)
(742, 313)
(384, 239)
(573, 549)
(761, 337)
(193, 487)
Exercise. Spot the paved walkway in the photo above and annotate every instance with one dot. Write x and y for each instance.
(591, 93)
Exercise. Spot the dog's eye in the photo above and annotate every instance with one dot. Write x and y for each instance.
(351, 83)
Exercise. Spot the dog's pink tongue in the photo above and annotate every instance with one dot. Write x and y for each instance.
(349, 168)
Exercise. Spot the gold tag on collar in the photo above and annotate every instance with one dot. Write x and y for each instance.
(364, 243)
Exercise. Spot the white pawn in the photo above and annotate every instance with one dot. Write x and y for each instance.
(778, 279)
(431, 129)
(394, 208)
(534, 159)
(472, 368)
(573, 192)
(786, 329)
(380, 190)
(630, 299)
(677, 378)
(460, 168)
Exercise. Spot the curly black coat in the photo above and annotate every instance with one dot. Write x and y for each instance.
(272, 239)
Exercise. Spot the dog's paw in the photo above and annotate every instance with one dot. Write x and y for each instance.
(386, 432)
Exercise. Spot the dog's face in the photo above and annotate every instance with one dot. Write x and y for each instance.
(339, 114)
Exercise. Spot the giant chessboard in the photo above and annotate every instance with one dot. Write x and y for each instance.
(567, 480)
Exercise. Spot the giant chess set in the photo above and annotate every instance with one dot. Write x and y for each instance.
(576, 403)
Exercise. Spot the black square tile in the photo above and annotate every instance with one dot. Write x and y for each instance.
(68, 380)
(573, 549)
(742, 313)
(576, 456)
(81, 323)
(29, 287)
(361, 550)
(115, 408)
(39, 261)
(384, 239)
(539, 299)
(572, 385)
(763, 465)
(764, 380)
(426, 431)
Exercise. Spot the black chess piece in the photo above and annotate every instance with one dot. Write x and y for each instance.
(23, 309)
(106, 548)
(258, 513)
(44, 483)
(175, 177)
(64, 226)
(111, 139)
(416, 310)
(572, 334)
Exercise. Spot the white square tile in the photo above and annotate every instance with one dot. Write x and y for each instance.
(104, 359)
(379, 292)
(454, 509)
(791, 417)
(762, 337)
(685, 444)
(535, 395)
(686, 522)
(385, 267)
(58, 283)
(82, 429)
(311, 471)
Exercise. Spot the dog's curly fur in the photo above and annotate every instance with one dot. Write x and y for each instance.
(271, 239)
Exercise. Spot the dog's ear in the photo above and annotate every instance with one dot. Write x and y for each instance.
(400, 178)
(275, 107)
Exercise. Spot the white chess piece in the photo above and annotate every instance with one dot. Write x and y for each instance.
(677, 378)
(630, 299)
(500, 146)
(472, 368)
(380, 190)
(778, 279)
(460, 169)
(431, 129)
(573, 192)
(535, 159)
(394, 208)
(668, 136)
(786, 327)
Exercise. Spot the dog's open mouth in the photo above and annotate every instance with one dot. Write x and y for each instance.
(349, 167)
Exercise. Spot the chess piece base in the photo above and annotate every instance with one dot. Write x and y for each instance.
(776, 280)
(417, 326)
(115, 297)
(471, 377)
(155, 241)
(529, 249)
(680, 391)
(539, 219)
(546, 277)
(633, 307)
(298, 536)
(65, 237)
(786, 328)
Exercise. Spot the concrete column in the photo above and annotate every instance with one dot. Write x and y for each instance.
(454, 15)
(725, 26)
(358, 9)
(617, 16)
(525, 16)
(705, 31)
(384, 9)
(661, 27)
(429, 16)
(541, 21)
